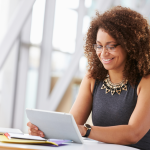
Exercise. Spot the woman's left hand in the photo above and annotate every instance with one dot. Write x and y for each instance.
(82, 129)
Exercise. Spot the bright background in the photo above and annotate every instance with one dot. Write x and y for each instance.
(69, 26)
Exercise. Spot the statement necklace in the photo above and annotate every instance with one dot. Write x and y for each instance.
(111, 87)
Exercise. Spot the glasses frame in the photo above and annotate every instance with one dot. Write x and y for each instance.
(106, 47)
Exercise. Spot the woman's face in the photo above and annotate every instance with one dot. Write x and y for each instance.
(114, 60)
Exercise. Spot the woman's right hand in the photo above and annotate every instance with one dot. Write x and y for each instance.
(33, 130)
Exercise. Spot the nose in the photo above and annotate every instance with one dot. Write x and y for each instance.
(104, 52)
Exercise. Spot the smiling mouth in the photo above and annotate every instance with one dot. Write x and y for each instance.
(107, 60)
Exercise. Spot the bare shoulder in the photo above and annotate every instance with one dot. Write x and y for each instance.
(144, 84)
(90, 80)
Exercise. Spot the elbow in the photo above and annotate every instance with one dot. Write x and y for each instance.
(134, 138)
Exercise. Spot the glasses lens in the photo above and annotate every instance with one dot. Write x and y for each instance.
(110, 48)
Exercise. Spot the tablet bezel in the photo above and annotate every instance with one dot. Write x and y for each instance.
(33, 116)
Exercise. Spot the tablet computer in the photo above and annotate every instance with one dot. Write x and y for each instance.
(55, 125)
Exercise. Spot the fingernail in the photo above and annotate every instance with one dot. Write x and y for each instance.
(35, 128)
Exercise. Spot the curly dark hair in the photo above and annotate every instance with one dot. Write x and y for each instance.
(132, 31)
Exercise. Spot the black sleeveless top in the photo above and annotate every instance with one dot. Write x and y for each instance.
(111, 110)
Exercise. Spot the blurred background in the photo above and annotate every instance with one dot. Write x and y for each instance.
(42, 58)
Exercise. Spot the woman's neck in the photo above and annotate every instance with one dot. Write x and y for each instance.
(115, 76)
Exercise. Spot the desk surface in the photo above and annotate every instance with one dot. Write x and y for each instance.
(88, 145)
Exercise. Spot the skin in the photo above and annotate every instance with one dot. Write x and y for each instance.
(116, 66)
(139, 122)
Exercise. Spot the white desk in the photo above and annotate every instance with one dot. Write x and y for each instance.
(88, 145)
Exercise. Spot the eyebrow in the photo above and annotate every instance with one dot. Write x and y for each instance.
(107, 42)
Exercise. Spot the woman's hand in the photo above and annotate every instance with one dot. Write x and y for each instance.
(82, 129)
(33, 130)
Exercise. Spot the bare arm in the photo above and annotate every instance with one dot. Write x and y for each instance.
(83, 104)
(137, 127)
(81, 108)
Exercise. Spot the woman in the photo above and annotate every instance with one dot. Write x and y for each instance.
(116, 87)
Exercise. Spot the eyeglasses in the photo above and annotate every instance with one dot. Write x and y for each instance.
(109, 48)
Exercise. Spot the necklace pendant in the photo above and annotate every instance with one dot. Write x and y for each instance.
(103, 86)
(113, 91)
(118, 91)
(107, 90)
(124, 88)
